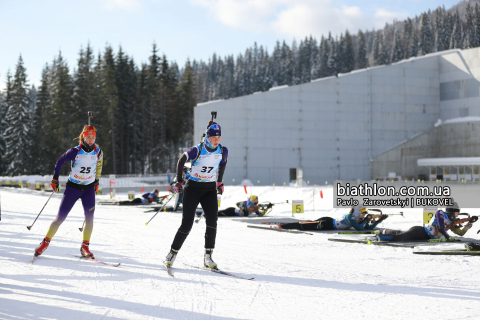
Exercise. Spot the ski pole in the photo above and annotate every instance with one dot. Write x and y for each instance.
(29, 227)
(83, 225)
(173, 194)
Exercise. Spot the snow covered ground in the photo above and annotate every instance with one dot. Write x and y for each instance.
(297, 276)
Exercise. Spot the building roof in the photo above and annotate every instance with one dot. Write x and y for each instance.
(438, 162)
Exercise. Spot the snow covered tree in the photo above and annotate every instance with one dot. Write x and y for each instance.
(397, 54)
(426, 36)
(469, 28)
(17, 134)
(456, 39)
(349, 53)
(476, 25)
(361, 61)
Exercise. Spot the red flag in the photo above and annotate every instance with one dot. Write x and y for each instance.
(112, 182)
(321, 194)
(143, 189)
(245, 187)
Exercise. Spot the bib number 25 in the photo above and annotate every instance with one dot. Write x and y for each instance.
(85, 168)
(204, 169)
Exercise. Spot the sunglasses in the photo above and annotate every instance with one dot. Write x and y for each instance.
(89, 128)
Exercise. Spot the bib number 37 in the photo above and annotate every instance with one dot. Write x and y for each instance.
(204, 169)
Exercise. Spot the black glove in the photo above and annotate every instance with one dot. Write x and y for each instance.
(269, 206)
(367, 218)
(383, 217)
(54, 184)
(474, 219)
(178, 187)
(220, 188)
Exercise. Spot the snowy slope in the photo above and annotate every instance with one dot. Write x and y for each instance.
(297, 276)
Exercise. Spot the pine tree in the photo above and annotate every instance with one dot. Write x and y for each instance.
(469, 28)
(107, 133)
(4, 105)
(476, 25)
(362, 61)
(440, 30)
(407, 35)
(426, 38)
(397, 48)
(349, 54)
(83, 85)
(16, 135)
(456, 39)
(332, 62)
(39, 125)
(186, 102)
(413, 45)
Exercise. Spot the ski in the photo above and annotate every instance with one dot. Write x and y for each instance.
(98, 261)
(33, 259)
(220, 272)
(360, 232)
(281, 230)
(450, 253)
(376, 243)
(169, 271)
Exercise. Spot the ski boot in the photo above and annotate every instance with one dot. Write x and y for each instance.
(374, 238)
(42, 247)
(170, 259)
(208, 261)
(472, 246)
(85, 251)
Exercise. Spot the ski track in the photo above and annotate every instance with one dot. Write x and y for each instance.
(296, 276)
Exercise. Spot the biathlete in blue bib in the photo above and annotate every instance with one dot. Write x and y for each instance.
(437, 228)
(202, 183)
(87, 161)
(358, 218)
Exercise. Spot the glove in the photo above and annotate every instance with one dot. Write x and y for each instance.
(269, 206)
(178, 187)
(474, 219)
(96, 185)
(54, 184)
(220, 187)
(383, 217)
(368, 217)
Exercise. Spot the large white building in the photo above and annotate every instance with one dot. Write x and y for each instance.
(334, 127)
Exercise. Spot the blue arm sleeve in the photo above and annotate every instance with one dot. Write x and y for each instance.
(67, 156)
(354, 224)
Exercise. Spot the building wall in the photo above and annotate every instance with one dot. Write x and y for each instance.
(333, 127)
(446, 141)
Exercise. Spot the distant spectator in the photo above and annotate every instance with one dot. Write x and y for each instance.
(168, 176)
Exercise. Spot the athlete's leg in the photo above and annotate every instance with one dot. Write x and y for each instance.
(70, 196)
(413, 234)
(191, 199)
(229, 212)
(210, 208)
(88, 202)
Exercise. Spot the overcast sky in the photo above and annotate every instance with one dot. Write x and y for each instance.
(195, 29)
